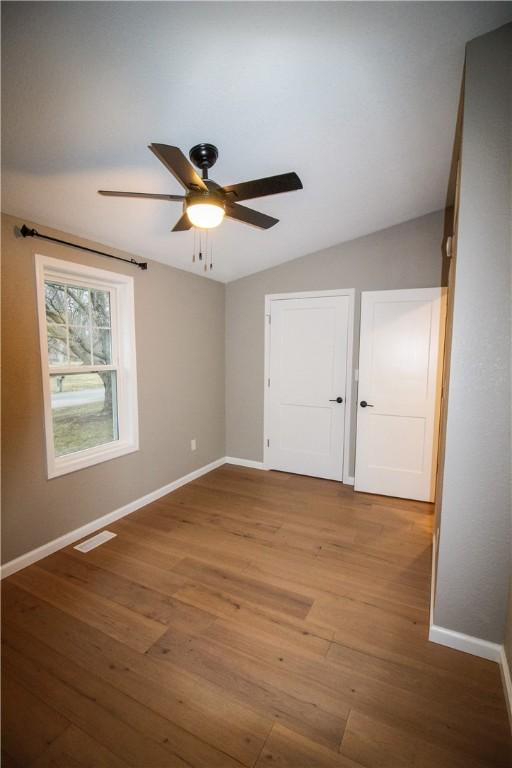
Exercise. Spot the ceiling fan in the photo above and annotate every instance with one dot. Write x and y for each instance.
(206, 203)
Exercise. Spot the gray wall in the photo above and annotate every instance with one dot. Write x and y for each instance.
(404, 256)
(474, 550)
(180, 360)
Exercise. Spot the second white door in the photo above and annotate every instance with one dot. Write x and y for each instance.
(400, 359)
(307, 381)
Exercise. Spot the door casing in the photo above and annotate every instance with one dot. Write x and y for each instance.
(269, 298)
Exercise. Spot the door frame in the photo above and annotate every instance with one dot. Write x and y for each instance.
(269, 298)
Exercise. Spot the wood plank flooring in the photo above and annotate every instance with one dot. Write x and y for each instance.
(247, 619)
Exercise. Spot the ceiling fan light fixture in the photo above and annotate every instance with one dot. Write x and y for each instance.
(205, 215)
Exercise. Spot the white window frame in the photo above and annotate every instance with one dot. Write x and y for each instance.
(123, 361)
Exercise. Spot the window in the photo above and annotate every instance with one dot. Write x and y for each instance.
(86, 326)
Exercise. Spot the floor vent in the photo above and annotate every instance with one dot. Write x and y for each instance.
(95, 541)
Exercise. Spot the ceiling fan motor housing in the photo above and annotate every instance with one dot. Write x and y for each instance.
(204, 198)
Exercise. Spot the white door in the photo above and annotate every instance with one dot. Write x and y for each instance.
(305, 420)
(400, 357)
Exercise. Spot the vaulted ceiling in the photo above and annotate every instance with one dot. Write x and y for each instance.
(359, 98)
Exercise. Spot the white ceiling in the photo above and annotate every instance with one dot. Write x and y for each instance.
(359, 98)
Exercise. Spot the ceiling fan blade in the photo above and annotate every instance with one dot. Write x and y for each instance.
(109, 193)
(250, 216)
(176, 162)
(272, 185)
(182, 224)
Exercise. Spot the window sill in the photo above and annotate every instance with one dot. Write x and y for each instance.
(82, 459)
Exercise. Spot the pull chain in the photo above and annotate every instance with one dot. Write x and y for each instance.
(205, 251)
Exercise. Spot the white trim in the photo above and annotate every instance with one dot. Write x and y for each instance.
(467, 643)
(433, 575)
(269, 298)
(309, 294)
(506, 679)
(245, 463)
(69, 538)
(351, 293)
(123, 361)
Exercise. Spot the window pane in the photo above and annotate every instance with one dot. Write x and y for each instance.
(79, 345)
(55, 301)
(100, 301)
(84, 411)
(57, 344)
(78, 306)
(102, 346)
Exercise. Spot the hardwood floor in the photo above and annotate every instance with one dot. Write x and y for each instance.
(247, 619)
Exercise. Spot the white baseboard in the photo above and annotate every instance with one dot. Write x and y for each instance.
(349, 480)
(79, 533)
(461, 642)
(245, 462)
(506, 679)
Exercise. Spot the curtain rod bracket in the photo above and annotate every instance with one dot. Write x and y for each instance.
(28, 232)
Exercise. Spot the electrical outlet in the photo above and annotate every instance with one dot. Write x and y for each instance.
(193, 444)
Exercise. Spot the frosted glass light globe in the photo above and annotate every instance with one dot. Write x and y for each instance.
(205, 215)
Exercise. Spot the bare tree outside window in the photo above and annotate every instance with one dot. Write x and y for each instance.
(80, 335)
(80, 318)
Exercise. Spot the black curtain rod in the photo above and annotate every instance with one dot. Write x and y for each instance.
(27, 232)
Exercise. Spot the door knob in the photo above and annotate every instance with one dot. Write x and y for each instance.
(337, 400)
(364, 404)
